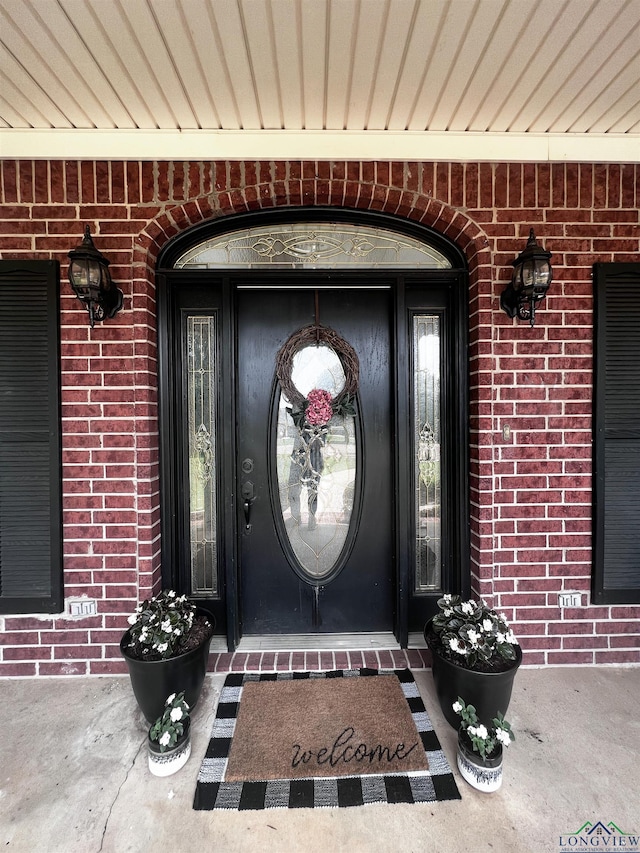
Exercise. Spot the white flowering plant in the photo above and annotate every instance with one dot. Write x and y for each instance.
(160, 625)
(473, 635)
(171, 724)
(483, 740)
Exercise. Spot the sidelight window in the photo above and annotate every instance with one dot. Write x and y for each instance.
(202, 389)
(426, 444)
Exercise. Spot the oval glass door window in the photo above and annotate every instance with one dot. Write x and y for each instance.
(316, 467)
(317, 367)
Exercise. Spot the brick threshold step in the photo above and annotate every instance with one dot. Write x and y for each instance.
(305, 660)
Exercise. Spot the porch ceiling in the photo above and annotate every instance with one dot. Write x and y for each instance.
(319, 79)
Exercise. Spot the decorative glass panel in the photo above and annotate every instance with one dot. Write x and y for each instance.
(426, 432)
(202, 386)
(313, 245)
(316, 467)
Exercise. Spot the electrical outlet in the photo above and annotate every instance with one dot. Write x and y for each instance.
(81, 607)
(570, 599)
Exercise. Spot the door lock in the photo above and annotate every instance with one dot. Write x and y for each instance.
(248, 497)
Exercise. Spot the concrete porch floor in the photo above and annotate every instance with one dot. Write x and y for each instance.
(74, 776)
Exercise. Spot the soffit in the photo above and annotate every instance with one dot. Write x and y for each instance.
(324, 79)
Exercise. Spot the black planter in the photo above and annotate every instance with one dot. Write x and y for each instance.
(489, 692)
(153, 681)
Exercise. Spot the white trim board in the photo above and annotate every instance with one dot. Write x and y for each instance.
(445, 146)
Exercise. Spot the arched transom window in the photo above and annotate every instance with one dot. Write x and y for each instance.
(305, 245)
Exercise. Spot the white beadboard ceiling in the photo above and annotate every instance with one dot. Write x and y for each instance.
(321, 79)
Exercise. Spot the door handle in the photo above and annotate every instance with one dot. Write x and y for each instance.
(248, 497)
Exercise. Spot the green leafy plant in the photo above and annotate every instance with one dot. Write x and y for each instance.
(160, 625)
(170, 726)
(483, 740)
(472, 634)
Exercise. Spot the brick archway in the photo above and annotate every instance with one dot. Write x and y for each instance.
(404, 195)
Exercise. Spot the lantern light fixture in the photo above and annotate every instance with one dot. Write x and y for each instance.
(529, 283)
(91, 280)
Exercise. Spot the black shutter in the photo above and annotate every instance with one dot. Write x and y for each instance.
(30, 458)
(616, 577)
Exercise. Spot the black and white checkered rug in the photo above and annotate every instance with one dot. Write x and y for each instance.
(213, 792)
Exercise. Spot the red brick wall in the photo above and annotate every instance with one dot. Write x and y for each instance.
(530, 495)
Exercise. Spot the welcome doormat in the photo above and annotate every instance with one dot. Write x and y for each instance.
(322, 739)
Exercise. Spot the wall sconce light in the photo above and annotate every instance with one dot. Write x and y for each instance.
(530, 281)
(91, 280)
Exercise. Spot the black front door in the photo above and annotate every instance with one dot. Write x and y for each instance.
(277, 532)
(315, 545)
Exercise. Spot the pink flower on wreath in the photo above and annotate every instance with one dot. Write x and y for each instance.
(319, 410)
